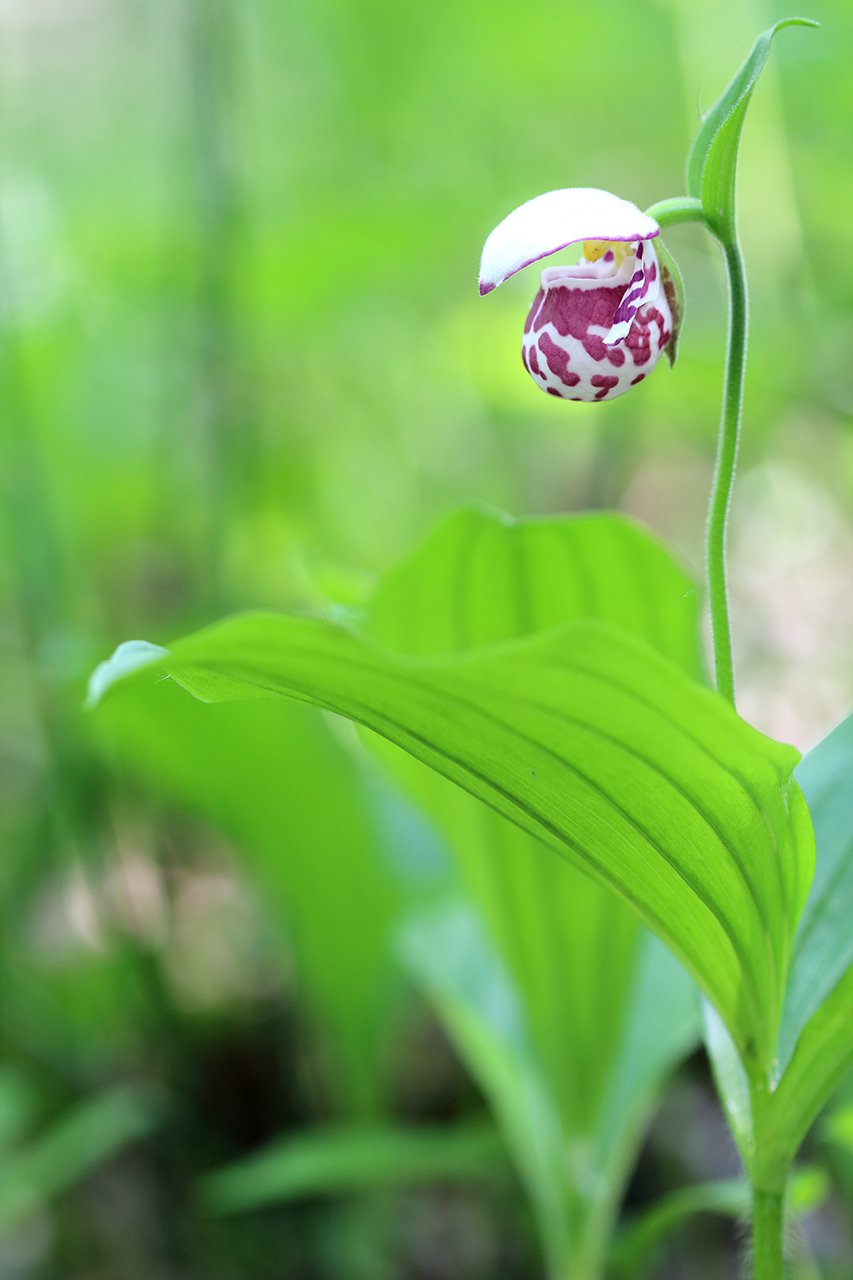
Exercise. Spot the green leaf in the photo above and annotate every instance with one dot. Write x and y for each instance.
(85, 1138)
(128, 657)
(455, 963)
(838, 1127)
(729, 1197)
(17, 1106)
(673, 286)
(350, 866)
(347, 1159)
(573, 1175)
(712, 160)
(643, 1235)
(604, 1011)
(731, 1081)
(815, 1048)
(661, 1026)
(483, 577)
(591, 742)
(816, 1040)
(824, 944)
(479, 579)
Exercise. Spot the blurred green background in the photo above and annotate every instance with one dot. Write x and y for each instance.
(243, 362)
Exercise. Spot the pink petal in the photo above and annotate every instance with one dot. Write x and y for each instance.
(551, 221)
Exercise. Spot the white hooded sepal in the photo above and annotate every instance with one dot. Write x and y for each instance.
(550, 222)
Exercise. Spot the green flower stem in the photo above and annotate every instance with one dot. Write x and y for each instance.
(768, 1173)
(767, 1235)
(768, 1170)
(668, 213)
(724, 471)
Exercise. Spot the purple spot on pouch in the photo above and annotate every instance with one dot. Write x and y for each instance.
(558, 361)
(572, 312)
(639, 338)
(605, 382)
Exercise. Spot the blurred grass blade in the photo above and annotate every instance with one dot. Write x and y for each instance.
(838, 1127)
(661, 1026)
(339, 1161)
(731, 1081)
(590, 741)
(345, 867)
(76, 1145)
(712, 160)
(455, 963)
(573, 1175)
(642, 1236)
(17, 1107)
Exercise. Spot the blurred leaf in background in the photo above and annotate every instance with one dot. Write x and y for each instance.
(333, 855)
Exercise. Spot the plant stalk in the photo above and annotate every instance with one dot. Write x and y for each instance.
(768, 1176)
(767, 1234)
(724, 471)
(668, 213)
(767, 1225)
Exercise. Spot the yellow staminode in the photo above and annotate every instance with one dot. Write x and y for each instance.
(595, 249)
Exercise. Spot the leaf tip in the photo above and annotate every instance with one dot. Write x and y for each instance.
(796, 22)
(128, 657)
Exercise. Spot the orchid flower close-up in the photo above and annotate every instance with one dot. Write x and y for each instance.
(599, 326)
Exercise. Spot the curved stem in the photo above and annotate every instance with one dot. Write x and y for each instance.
(724, 471)
(667, 213)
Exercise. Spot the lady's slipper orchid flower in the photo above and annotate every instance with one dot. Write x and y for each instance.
(596, 328)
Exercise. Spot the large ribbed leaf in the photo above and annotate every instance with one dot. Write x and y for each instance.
(588, 740)
(603, 1014)
(479, 579)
